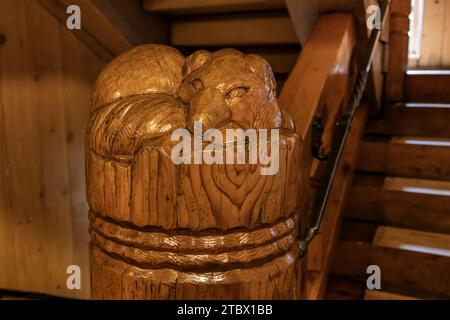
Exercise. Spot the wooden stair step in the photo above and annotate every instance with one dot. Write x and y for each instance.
(237, 29)
(342, 288)
(182, 7)
(413, 119)
(401, 202)
(282, 59)
(401, 268)
(427, 86)
(384, 295)
(194, 7)
(412, 240)
(419, 157)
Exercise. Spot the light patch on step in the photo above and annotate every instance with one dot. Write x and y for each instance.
(423, 142)
(421, 72)
(430, 191)
(424, 249)
(428, 105)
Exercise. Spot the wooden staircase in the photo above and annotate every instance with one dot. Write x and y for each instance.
(398, 209)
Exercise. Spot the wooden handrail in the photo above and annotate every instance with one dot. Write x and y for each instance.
(319, 86)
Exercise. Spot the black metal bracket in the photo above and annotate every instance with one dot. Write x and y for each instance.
(316, 138)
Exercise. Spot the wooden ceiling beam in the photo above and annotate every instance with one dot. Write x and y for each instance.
(110, 27)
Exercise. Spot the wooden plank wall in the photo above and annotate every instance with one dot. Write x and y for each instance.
(46, 75)
(435, 38)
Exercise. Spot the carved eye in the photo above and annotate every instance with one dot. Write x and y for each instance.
(197, 84)
(237, 92)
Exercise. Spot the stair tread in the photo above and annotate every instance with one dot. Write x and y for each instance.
(384, 295)
(407, 156)
(177, 7)
(400, 202)
(420, 274)
(421, 141)
(425, 105)
(412, 240)
(413, 119)
(413, 185)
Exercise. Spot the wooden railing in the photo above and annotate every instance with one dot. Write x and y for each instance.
(329, 74)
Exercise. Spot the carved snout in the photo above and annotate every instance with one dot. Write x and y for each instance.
(209, 107)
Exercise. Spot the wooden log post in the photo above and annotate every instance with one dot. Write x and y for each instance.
(162, 230)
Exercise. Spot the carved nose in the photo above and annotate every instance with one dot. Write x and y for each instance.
(209, 107)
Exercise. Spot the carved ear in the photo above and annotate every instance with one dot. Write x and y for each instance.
(195, 61)
(263, 69)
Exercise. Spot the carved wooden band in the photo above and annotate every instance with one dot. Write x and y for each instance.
(191, 252)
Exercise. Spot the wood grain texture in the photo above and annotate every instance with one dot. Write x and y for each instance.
(423, 87)
(426, 209)
(110, 27)
(434, 37)
(237, 29)
(161, 230)
(45, 81)
(420, 120)
(421, 272)
(322, 248)
(398, 50)
(415, 157)
(182, 7)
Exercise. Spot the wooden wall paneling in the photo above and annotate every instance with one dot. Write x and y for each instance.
(435, 36)
(432, 33)
(54, 218)
(46, 79)
(21, 176)
(7, 253)
(76, 93)
(446, 37)
(398, 50)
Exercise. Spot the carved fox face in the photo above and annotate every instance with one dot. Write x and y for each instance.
(229, 86)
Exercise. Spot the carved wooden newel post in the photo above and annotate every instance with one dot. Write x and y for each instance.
(161, 229)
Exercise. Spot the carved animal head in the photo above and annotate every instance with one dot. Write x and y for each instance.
(151, 90)
(229, 86)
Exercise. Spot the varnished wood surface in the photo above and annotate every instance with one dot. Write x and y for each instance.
(191, 231)
(416, 157)
(398, 50)
(237, 29)
(424, 209)
(427, 87)
(413, 240)
(424, 272)
(435, 36)
(210, 6)
(322, 248)
(45, 82)
(110, 27)
(420, 120)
